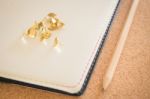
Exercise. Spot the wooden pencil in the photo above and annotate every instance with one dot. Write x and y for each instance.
(113, 64)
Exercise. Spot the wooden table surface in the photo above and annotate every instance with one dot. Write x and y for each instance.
(132, 76)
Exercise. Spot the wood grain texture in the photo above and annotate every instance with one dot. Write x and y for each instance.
(132, 76)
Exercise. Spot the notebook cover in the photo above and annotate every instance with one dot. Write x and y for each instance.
(8, 71)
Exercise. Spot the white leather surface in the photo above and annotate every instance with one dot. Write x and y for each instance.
(85, 24)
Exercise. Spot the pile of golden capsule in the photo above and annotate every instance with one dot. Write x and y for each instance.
(44, 29)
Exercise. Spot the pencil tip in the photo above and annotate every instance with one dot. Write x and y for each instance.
(106, 82)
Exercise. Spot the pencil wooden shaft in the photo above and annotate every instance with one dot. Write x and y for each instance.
(112, 67)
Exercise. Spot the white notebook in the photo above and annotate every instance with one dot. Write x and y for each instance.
(66, 68)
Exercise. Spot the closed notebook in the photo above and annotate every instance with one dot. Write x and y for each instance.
(64, 68)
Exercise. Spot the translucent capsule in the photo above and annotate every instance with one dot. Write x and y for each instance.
(56, 42)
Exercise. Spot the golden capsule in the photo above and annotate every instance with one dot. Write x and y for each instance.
(60, 24)
(44, 36)
(39, 25)
(55, 24)
(51, 14)
(31, 33)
